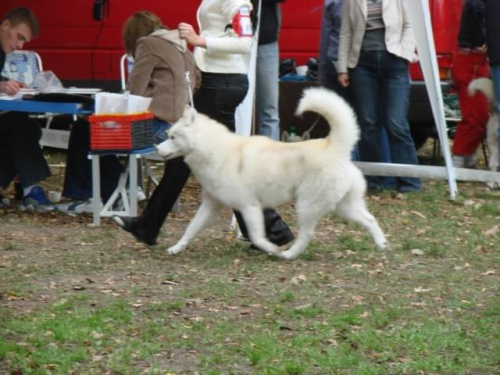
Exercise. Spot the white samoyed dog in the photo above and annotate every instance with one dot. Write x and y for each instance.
(485, 86)
(251, 173)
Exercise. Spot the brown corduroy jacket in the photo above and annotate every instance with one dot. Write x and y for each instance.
(160, 62)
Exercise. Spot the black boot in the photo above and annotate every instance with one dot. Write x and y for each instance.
(129, 224)
(277, 231)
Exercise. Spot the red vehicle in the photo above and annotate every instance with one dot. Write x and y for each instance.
(80, 40)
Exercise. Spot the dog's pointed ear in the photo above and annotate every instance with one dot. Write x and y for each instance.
(189, 114)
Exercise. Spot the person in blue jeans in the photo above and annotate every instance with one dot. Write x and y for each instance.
(20, 152)
(267, 82)
(161, 59)
(376, 47)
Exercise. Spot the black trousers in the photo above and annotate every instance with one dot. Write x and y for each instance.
(218, 97)
(20, 151)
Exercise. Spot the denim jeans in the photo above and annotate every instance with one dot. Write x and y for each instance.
(495, 75)
(160, 128)
(381, 89)
(267, 90)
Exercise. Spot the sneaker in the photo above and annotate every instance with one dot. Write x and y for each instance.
(464, 161)
(470, 161)
(84, 208)
(76, 207)
(141, 195)
(37, 201)
(457, 161)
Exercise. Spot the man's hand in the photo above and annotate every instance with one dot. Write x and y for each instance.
(11, 87)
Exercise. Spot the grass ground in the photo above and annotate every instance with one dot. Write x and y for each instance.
(77, 299)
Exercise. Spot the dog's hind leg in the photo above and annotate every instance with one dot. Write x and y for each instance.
(307, 223)
(254, 220)
(354, 209)
(204, 216)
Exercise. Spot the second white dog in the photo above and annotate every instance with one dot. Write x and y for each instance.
(485, 85)
(249, 174)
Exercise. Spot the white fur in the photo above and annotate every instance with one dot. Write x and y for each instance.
(485, 86)
(253, 173)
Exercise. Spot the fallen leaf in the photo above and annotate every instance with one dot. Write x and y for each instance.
(422, 290)
(492, 231)
(419, 214)
(489, 272)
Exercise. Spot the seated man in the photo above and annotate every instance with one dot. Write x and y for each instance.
(20, 152)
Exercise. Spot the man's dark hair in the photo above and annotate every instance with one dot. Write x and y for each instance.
(21, 15)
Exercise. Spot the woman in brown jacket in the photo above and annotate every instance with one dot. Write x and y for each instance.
(161, 59)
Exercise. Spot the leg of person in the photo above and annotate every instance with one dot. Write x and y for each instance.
(78, 173)
(7, 167)
(472, 128)
(22, 137)
(395, 96)
(365, 89)
(218, 98)
(146, 227)
(267, 90)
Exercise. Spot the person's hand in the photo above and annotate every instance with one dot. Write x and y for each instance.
(11, 87)
(186, 32)
(343, 79)
(481, 49)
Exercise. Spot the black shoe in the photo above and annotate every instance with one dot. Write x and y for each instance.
(277, 231)
(129, 224)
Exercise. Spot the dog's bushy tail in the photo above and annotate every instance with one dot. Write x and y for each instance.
(485, 86)
(344, 129)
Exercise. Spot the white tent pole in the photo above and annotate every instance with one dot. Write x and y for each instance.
(427, 171)
(421, 20)
(245, 111)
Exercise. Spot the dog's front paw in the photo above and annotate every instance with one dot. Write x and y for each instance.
(287, 255)
(176, 249)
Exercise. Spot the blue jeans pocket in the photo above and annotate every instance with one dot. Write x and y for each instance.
(160, 129)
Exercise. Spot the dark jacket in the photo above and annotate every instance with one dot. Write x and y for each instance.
(493, 30)
(270, 21)
(472, 31)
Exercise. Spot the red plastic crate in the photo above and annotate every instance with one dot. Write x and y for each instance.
(121, 132)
